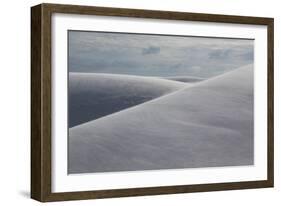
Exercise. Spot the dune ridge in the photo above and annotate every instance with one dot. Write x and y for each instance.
(92, 96)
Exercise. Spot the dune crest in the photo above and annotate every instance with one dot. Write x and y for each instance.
(92, 96)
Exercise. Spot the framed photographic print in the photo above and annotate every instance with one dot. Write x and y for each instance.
(130, 102)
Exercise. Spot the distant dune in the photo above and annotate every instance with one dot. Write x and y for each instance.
(92, 96)
(207, 125)
(187, 79)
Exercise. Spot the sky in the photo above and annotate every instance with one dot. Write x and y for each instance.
(156, 55)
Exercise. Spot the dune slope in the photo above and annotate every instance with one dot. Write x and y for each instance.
(92, 96)
(207, 125)
(187, 79)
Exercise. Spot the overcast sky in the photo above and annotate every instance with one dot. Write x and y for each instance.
(154, 55)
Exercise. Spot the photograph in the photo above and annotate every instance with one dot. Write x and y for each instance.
(139, 101)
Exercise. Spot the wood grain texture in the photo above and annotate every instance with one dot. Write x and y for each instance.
(138, 13)
(270, 102)
(41, 101)
(36, 58)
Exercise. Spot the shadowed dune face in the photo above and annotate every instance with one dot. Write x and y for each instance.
(186, 79)
(92, 96)
(207, 125)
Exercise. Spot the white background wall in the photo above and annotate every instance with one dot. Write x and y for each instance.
(15, 102)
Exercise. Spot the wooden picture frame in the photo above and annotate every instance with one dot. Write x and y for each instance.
(41, 116)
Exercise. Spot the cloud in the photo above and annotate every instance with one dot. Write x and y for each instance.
(220, 54)
(196, 68)
(248, 56)
(151, 50)
(152, 55)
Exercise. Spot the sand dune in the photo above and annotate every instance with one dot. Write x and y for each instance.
(92, 96)
(206, 125)
(187, 79)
